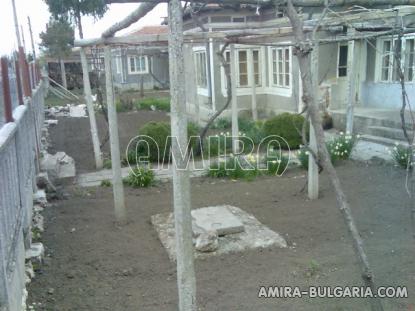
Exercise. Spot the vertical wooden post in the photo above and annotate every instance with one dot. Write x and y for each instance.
(313, 178)
(118, 188)
(31, 39)
(186, 279)
(351, 85)
(18, 82)
(63, 74)
(253, 85)
(91, 111)
(16, 23)
(234, 79)
(8, 113)
(23, 70)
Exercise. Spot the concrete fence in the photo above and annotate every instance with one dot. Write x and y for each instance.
(20, 134)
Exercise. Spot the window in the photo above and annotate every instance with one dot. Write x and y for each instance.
(240, 19)
(201, 76)
(342, 61)
(137, 64)
(409, 59)
(243, 68)
(281, 67)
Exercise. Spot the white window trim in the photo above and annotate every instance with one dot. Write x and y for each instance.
(379, 56)
(204, 91)
(137, 72)
(247, 90)
(338, 60)
(277, 89)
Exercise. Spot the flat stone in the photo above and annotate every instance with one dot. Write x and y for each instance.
(78, 111)
(216, 218)
(36, 251)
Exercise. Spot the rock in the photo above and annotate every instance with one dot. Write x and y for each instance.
(78, 111)
(43, 182)
(207, 242)
(38, 222)
(51, 122)
(35, 252)
(51, 291)
(39, 197)
(59, 165)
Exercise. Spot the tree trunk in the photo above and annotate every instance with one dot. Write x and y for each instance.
(303, 51)
(186, 279)
(63, 74)
(79, 23)
(118, 188)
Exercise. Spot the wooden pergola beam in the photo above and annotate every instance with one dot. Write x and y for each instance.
(298, 3)
(136, 15)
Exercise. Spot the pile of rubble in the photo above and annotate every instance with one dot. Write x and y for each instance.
(70, 110)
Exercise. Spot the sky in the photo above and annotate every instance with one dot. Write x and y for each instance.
(39, 16)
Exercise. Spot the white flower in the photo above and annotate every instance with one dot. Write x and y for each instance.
(231, 155)
(273, 162)
(395, 148)
(341, 133)
(358, 136)
(307, 153)
(396, 143)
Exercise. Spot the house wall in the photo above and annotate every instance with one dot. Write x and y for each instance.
(125, 80)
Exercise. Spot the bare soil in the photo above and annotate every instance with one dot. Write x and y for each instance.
(92, 264)
(73, 135)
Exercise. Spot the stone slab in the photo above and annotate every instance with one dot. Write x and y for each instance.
(216, 218)
(255, 235)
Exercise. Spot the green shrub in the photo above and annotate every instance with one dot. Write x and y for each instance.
(140, 177)
(106, 183)
(222, 124)
(218, 145)
(162, 104)
(130, 159)
(276, 164)
(341, 147)
(401, 155)
(302, 156)
(107, 164)
(287, 126)
(159, 133)
(234, 168)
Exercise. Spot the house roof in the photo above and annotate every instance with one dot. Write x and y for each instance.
(150, 30)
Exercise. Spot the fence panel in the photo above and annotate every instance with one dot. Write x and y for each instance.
(19, 145)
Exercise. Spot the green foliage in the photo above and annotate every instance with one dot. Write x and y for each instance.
(341, 147)
(158, 139)
(218, 144)
(106, 183)
(287, 126)
(162, 104)
(276, 164)
(401, 155)
(58, 39)
(302, 156)
(234, 168)
(76, 8)
(107, 164)
(222, 124)
(140, 177)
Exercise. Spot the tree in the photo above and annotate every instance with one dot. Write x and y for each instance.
(74, 9)
(57, 42)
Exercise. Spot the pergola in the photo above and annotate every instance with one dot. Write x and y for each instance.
(306, 44)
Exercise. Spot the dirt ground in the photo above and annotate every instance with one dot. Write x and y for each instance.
(73, 135)
(92, 264)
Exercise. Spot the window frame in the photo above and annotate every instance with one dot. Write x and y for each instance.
(198, 68)
(135, 71)
(274, 71)
(340, 45)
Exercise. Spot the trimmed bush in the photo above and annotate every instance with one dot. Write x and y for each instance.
(140, 177)
(159, 141)
(287, 126)
(151, 103)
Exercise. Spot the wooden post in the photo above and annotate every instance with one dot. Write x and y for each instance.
(24, 74)
(235, 127)
(186, 279)
(8, 113)
(118, 188)
(253, 85)
(16, 23)
(313, 178)
(18, 82)
(63, 73)
(351, 85)
(91, 111)
(31, 39)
